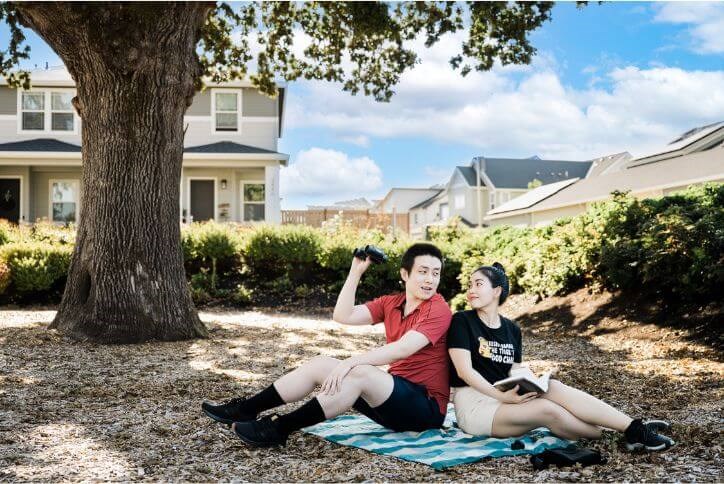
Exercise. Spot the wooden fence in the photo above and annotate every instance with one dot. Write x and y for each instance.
(363, 219)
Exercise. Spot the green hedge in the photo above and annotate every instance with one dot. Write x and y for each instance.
(35, 266)
(672, 245)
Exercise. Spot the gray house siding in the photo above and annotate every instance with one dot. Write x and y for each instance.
(255, 103)
(201, 105)
(8, 100)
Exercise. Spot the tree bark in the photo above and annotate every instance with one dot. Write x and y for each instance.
(135, 67)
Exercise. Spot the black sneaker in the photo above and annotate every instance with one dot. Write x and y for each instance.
(227, 413)
(260, 433)
(657, 425)
(640, 436)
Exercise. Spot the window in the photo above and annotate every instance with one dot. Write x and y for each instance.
(253, 202)
(417, 221)
(444, 211)
(226, 113)
(50, 111)
(33, 109)
(64, 196)
(491, 200)
(61, 111)
(459, 201)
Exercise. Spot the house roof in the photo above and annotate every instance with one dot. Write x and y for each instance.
(428, 201)
(422, 191)
(609, 163)
(528, 199)
(40, 144)
(468, 173)
(697, 139)
(674, 172)
(214, 151)
(227, 147)
(518, 172)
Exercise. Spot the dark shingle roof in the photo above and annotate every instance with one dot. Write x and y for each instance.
(40, 144)
(518, 172)
(468, 172)
(427, 202)
(226, 147)
(53, 145)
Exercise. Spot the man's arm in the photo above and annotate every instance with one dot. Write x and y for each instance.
(345, 311)
(410, 343)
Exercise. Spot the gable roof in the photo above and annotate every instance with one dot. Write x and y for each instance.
(428, 201)
(609, 164)
(468, 173)
(517, 173)
(40, 144)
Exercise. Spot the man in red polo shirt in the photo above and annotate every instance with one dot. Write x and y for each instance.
(412, 395)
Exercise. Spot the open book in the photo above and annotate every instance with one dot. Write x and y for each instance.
(526, 379)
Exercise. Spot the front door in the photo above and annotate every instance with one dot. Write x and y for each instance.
(202, 200)
(10, 199)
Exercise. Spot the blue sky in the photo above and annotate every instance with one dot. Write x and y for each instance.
(607, 78)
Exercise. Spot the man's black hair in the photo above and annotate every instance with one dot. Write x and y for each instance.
(416, 250)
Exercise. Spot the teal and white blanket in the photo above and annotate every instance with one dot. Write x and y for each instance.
(439, 449)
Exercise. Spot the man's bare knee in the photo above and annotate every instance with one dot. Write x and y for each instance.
(363, 372)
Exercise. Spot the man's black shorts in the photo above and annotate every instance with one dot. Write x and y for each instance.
(407, 408)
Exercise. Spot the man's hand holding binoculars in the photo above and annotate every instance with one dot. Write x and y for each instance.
(363, 257)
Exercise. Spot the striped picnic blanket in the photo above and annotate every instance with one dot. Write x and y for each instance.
(439, 449)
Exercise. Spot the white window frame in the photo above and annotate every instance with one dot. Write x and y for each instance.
(22, 186)
(447, 206)
(216, 195)
(47, 112)
(239, 94)
(491, 200)
(50, 199)
(459, 201)
(242, 202)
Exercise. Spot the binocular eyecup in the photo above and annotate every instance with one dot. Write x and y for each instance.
(374, 253)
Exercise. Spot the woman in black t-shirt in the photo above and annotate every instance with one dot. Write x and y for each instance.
(485, 347)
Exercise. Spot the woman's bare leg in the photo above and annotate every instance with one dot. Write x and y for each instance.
(512, 420)
(587, 407)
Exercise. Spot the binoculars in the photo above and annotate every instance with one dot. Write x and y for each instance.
(374, 253)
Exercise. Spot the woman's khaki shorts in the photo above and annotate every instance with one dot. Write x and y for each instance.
(474, 411)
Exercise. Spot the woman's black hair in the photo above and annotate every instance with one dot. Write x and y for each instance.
(497, 277)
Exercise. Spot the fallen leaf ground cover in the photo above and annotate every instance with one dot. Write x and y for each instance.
(74, 411)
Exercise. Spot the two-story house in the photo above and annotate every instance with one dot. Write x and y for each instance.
(486, 183)
(230, 164)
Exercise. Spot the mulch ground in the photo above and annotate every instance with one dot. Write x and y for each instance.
(75, 411)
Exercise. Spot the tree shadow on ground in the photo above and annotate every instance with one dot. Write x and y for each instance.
(592, 315)
(82, 411)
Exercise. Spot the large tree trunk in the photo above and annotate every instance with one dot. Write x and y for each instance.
(135, 68)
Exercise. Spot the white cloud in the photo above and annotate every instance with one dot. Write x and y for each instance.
(360, 140)
(522, 112)
(706, 20)
(321, 172)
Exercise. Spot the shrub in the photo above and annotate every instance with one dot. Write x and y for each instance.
(212, 246)
(36, 266)
(4, 276)
(289, 252)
